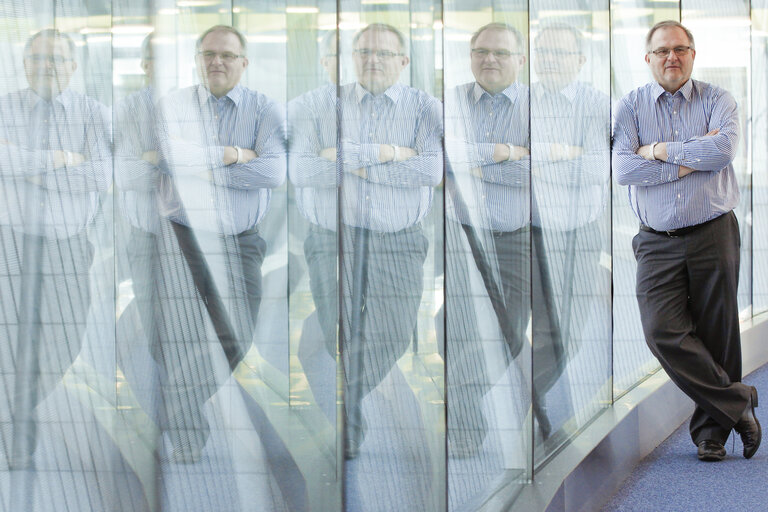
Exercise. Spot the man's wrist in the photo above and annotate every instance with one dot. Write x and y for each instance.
(511, 153)
(653, 150)
(239, 153)
(395, 153)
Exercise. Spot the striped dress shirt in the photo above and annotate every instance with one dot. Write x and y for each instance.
(569, 192)
(30, 128)
(658, 197)
(197, 189)
(393, 195)
(475, 122)
(137, 180)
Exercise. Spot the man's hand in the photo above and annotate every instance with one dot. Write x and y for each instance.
(66, 159)
(361, 172)
(151, 157)
(329, 154)
(230, 155)
(559, 152)
(684, 171)
(503, 152)
(392, 153)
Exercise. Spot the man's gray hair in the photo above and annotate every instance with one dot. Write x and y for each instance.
(667, 24)
(382, 27)
(501, 26)
(50, 33)
(223, 28)
(578, 38)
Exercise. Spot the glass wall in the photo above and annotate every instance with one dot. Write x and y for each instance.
(327, 255)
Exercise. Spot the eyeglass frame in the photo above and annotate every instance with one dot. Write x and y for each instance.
(680, 51)
(482, 53)
(366, 53)
(56, 60)
(227, 57)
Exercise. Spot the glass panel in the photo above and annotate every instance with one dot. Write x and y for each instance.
(315, 396)
(632, 360)
(391, 233)
(759, 95)
(56, 259)
(570, 158)
(488, 237)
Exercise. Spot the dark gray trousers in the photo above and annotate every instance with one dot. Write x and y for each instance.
(686, 291)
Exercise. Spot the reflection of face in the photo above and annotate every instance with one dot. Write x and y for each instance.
(374, 72)
(496, 73)
(49, 66)
(219, 76)
(329, 61)
(673, 71)
(558, 60)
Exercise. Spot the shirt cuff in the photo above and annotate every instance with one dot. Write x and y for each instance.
(485, 152)
(669, 172)
(675, 153)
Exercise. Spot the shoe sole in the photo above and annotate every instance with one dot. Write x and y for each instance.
(749, 454)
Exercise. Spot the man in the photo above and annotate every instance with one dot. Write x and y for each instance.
(570, 163)
(674, 143)
(222, 150)
(54, 162)
(391, 160)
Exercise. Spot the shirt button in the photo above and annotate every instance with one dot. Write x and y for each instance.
(675, 112)
(487, 134)
(490, 114)
(676, 132)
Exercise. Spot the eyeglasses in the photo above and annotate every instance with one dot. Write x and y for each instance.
(482, 53)
(366, 53)
(663, 53)
(553, 52)
(53, 59)
(227, 57)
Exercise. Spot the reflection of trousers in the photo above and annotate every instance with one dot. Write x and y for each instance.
(469, 379)
(57, 322)
(394, 285)
(686, 291)
(208, 281)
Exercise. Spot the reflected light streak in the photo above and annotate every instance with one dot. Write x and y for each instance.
(302, 10)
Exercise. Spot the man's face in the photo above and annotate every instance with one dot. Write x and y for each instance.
(219, 62)
(558, 60)
(672, 71)
(378, 60)
(49, 66)
(496, 60)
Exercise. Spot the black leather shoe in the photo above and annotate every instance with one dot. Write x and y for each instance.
(711, 451)
(748, 427)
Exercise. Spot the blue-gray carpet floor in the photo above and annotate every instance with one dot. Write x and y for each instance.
(671, 478)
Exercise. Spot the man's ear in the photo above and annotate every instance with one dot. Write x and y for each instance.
(406, 60)
(245, 62)
(648, 59)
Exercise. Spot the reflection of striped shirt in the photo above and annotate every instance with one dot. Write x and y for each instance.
(569, 192)
(136, 179)
(658, 197)
(393, 196)
(195, 127)
(30, 128)
(311, 128)
(475, 122)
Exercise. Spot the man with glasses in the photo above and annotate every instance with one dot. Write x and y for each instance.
(222, 149)
(487, 141)
(54, 163)
(674, 143)
(390, 156)
(570, 164)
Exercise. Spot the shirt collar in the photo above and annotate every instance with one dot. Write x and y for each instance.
(65, 98)
(204, 95)
(393, 92)
(570, 91)
(512, 92)
(686, 90)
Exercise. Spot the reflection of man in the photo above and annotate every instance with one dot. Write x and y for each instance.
(570, 165)
(674, 142)
(487, 145)
(223, 149)
(312, 129)
(137, 176)
(390, 156)
(54, 161)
